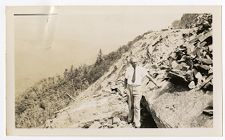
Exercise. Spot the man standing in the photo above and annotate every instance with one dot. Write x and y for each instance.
(133, 80)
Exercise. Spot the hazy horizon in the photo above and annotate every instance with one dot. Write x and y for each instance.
(46, 45)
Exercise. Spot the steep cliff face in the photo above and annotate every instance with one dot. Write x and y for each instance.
(181, 62)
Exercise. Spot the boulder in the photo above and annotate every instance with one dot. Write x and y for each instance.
(208, 110)
(202, 68)
(202, 44)
(174, 64)
(205, 61)
(116, 120)
(207, 80)
(205, 36)
(199, 76)
(191, 85)
(208, 86)
(96, 124)
(177, 78)
(190, 75)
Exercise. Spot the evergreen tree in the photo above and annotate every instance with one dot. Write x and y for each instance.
(99, 57)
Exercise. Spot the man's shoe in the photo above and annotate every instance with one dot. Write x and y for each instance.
(129, 120)
(137, 125)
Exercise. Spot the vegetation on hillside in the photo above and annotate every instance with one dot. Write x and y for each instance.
(40, 102)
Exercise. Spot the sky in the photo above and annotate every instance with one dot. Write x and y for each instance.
(46, 45)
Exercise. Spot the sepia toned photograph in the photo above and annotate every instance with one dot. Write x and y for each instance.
(122, 68)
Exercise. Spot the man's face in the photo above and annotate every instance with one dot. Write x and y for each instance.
(133, 63)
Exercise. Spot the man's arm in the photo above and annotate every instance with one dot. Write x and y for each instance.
(151, 79)
(125, 83)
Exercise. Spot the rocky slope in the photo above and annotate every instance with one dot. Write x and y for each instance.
(181, 62)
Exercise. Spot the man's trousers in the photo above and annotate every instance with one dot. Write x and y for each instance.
(134, 98)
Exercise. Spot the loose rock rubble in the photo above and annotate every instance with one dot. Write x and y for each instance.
(191, 63)
(111, 122)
